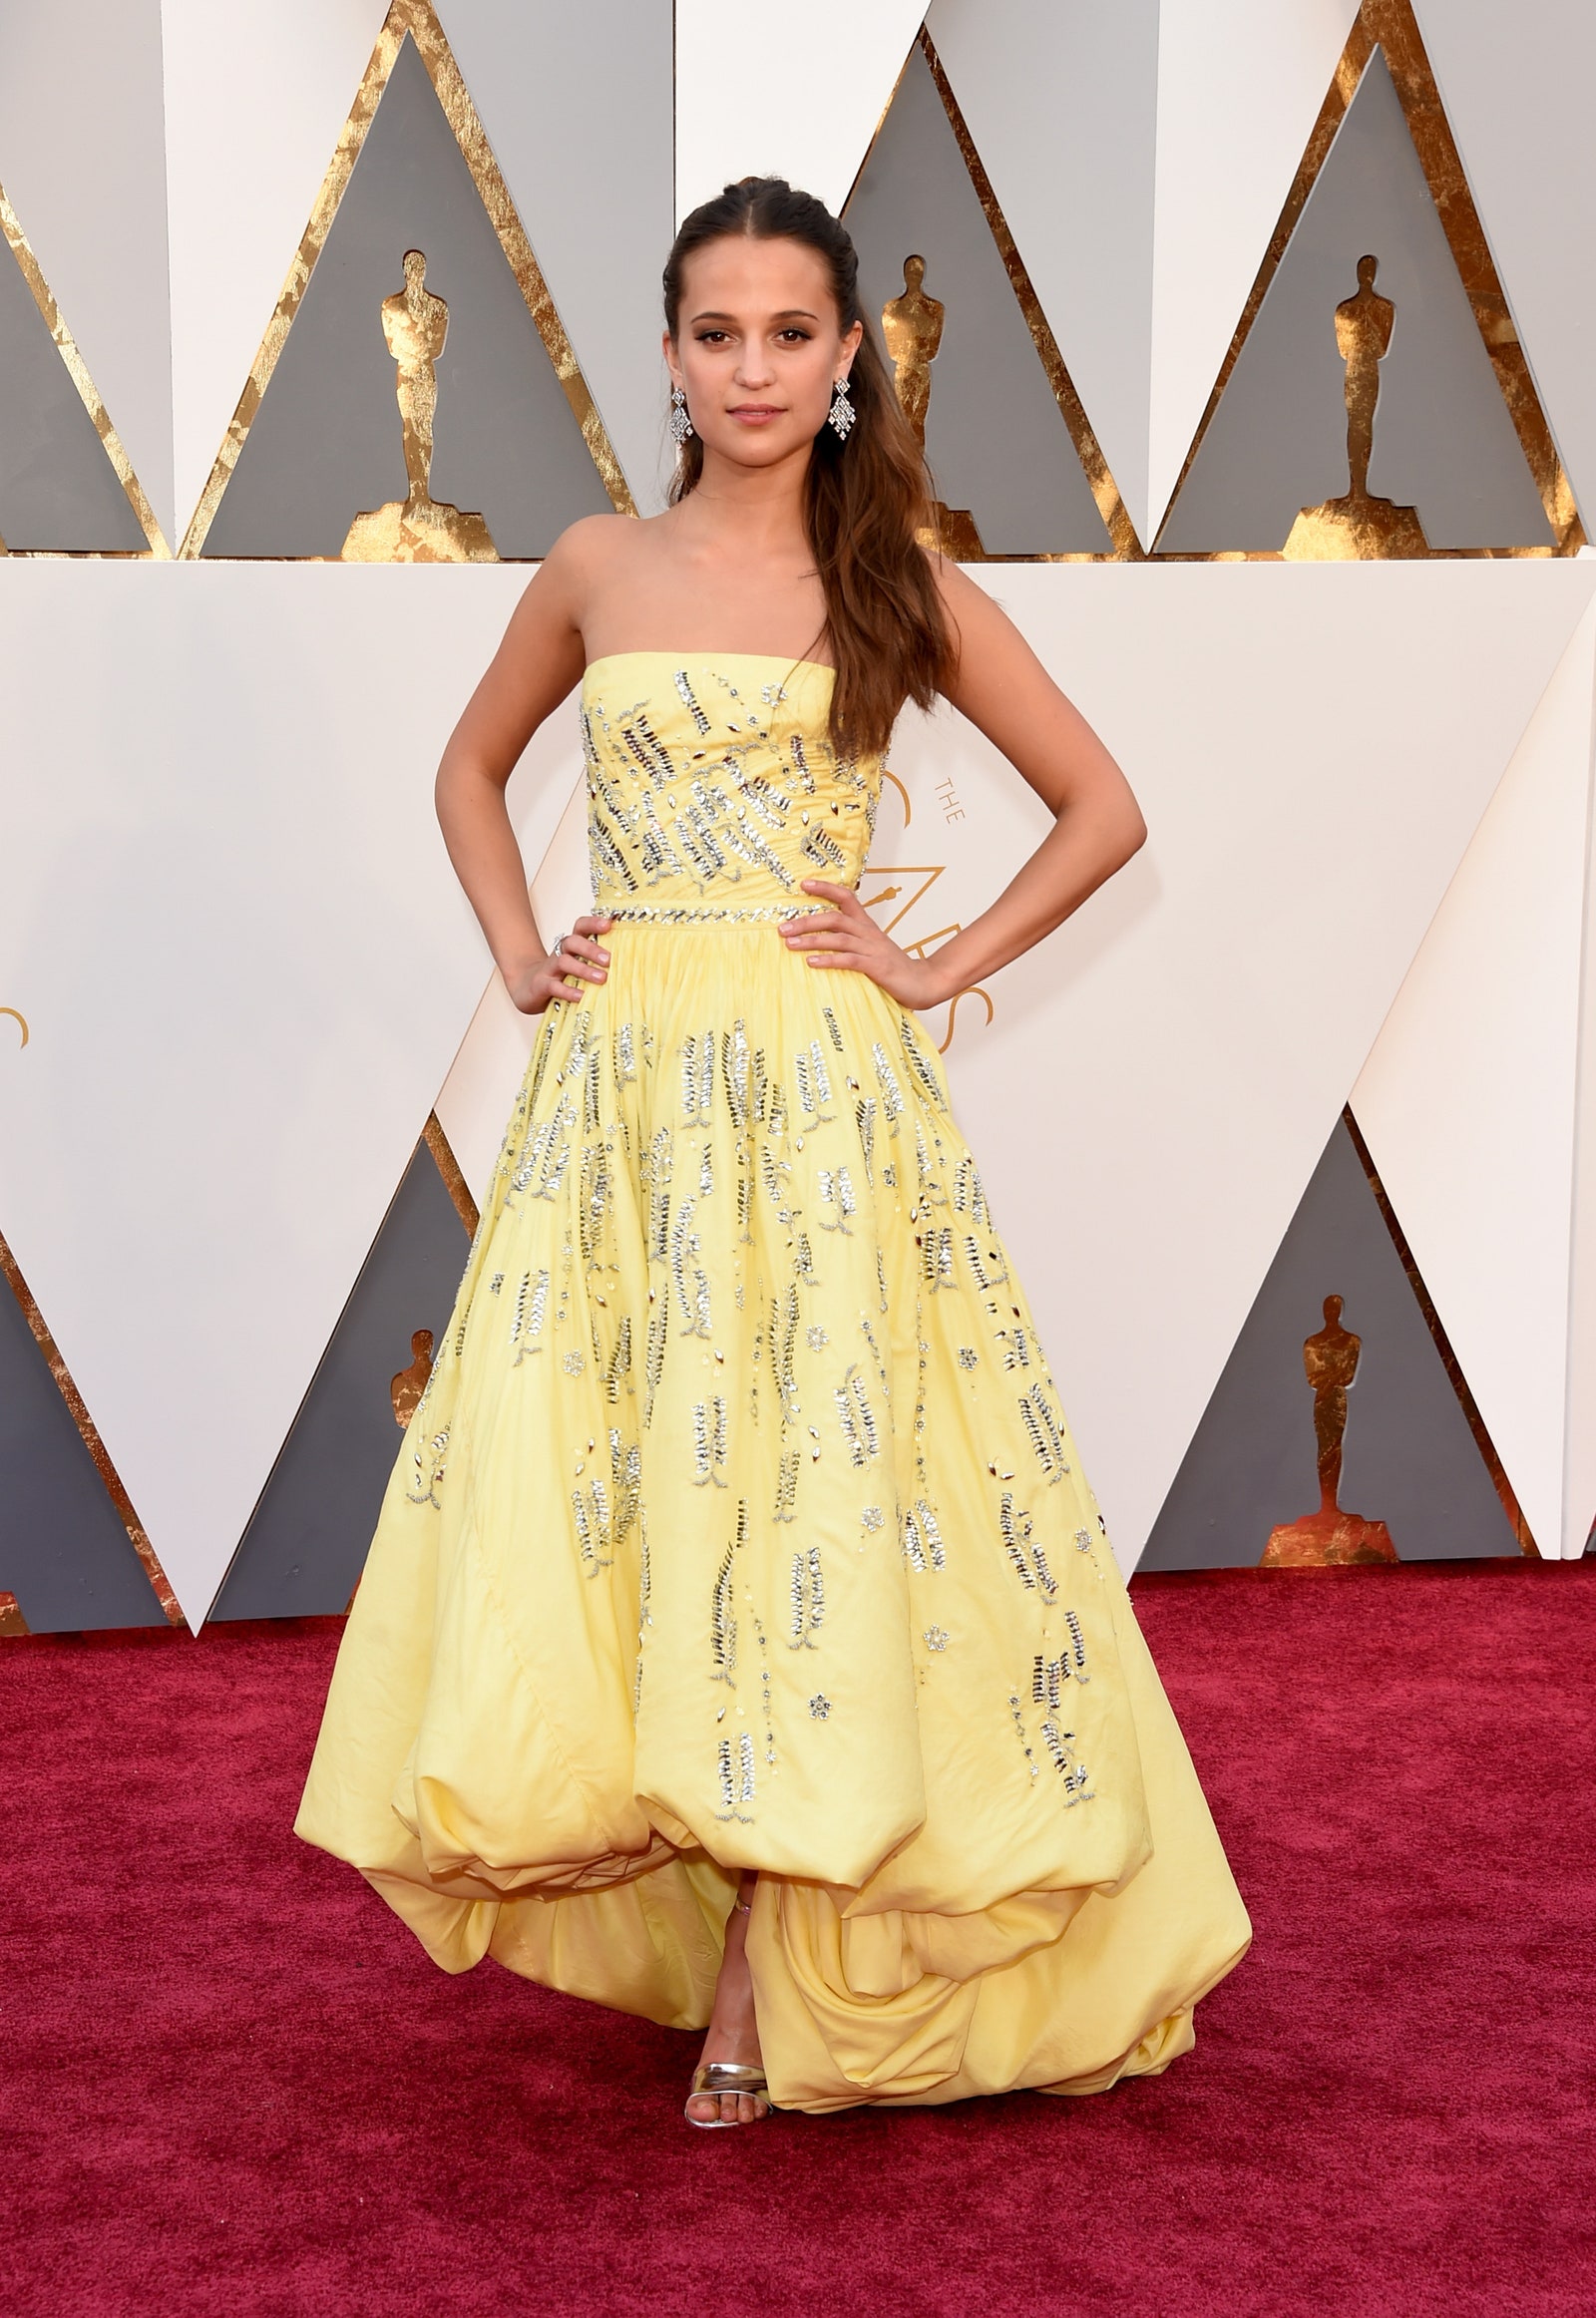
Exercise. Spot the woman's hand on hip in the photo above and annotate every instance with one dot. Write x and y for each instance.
(557, 976)
(846, 936)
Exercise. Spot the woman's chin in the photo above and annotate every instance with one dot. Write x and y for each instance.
(761, 445)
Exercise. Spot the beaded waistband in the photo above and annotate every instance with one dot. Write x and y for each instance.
(672, 914)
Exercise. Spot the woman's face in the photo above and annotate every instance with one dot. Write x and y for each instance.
(758, 349)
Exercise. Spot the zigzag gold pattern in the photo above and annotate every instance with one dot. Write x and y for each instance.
(1391, 25)
(417, 21)
(88, 394)
(92, 1442)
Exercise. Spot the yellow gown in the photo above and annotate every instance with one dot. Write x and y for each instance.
(740, 1525)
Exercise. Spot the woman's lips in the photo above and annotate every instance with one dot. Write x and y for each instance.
(756, 414)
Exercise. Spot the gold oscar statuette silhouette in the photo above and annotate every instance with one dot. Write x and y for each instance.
(1355, 528)
(406, 1388)
(911, 326)
(12, 1622)
(417, 528)
(1330, 1362)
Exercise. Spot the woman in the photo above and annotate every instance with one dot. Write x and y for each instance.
(740, 1643)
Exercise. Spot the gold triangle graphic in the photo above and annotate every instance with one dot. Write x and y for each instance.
(418, 20)
(448, 1167)
(90, 1433)
(1390, 25)
(88, 395)
(1104, 490)
(875, 872)
(1121, 531)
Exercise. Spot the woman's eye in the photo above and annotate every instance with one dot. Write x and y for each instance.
(710, 337)
(802, 336)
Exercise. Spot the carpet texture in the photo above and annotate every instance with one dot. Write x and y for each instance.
(232, 2084)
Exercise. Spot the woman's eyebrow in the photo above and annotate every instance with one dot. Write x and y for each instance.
(787, 314)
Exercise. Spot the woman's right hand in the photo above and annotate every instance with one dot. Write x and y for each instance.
(547, 980)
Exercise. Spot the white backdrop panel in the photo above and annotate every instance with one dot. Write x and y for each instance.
(83, 163)
(1240, 83)
(1313, 746)
(782, 91)
(255, 101)
(1579, 1488)
(1517, 85)
(1467, 1099)
(247, 965)
(1060, 97)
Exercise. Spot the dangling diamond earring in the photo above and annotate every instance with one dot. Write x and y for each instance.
(681, 424)
(841, 413)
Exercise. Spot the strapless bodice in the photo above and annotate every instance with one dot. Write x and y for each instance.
(713, 790)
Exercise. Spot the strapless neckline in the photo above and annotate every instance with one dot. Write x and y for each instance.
(709, 659)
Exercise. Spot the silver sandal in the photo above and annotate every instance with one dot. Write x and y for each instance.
(719, 2076)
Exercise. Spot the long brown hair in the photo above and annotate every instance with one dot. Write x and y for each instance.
(865, 499)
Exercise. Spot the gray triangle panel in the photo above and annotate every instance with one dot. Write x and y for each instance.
(306, 1542)
(64, 1551)
(326, 442)
(1443, 439)
(1409, 1458)
(996, 439)
(59, 492)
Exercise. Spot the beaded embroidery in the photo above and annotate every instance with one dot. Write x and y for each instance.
(736, 1776)
(922, 1546)
(808, 1600)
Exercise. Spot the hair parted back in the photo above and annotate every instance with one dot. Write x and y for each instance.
(864, 499)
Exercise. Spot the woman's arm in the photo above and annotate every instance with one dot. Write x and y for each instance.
(535, 668)
(1005, 691)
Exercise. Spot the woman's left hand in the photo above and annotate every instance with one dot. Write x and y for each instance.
(846, 936)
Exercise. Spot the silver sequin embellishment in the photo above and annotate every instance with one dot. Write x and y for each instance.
(709, 1441)
(808, 1599)
(855, 1417)
(736, 1776)
(1060, 1746)
(1041, 1430)
(723, 1625)
(1023, 1550)
(667, 913)
(922, 1546)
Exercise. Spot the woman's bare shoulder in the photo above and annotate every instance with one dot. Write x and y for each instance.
(959, 593)
(591, 545)
(989, 653)
(598, 544)
(974, 619)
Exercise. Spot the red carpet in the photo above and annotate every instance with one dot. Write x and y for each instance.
(233, 2085)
